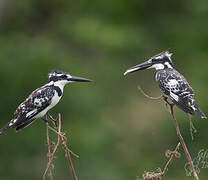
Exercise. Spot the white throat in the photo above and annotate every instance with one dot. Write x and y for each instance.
(161, 66)
(158, 66)
(168, 65)
(61, 84)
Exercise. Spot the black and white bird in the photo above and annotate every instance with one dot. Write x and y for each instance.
(41, 100)
(171, 82)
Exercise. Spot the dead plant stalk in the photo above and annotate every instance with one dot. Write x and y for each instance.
(178, 132)
(52, 150)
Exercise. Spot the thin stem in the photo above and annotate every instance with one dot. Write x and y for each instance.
(57, 124)
(66, 151)
(183, 144)
(191, 127)
(70, 164)
(173, 153)
(177, 130)
(49, 166)
(51, 155)
(146, 95)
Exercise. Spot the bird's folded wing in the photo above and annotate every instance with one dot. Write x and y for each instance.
(37, 101)
(174, 85)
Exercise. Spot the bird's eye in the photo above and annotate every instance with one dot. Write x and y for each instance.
(149, 61)
(64, 76)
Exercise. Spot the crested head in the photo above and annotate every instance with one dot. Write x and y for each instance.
(162, 60)
(57, 75)
(61, 77)
(159, 61)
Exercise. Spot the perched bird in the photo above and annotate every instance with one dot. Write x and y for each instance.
(41, 100)
(171, 82)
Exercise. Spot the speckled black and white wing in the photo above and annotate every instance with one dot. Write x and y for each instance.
(31, 108)
(175, 86)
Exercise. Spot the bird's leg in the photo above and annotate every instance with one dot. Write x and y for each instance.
(44, 118)
(165, 98)
(192, 127)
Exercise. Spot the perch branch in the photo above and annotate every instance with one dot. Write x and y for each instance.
(63, 140)
(183, 144)
(50, 157)
(178, 132)
(53, 149)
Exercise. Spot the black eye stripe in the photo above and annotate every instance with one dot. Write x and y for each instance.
(162, 60)
(64, 76)
(57, 78)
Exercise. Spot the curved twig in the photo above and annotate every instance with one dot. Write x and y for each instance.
(150, 97)
(171, 155)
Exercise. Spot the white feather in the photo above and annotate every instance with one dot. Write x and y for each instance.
(54, 101)
(157, 66)
(168, 64)
(172, 83)
(174, 96)
(31, 112)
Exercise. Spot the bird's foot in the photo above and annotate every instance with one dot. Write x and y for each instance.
(44, 118)
(165, 98)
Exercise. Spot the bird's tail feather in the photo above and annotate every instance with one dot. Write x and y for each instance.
(199, 111)
(23, 125)
(4, 128)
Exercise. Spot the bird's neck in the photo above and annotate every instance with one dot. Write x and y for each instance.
(60, 84)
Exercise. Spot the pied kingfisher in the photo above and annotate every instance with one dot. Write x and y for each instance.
(171, 82)
(41, 100)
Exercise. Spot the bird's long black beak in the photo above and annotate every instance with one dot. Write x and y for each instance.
(78, 79)
(138, 67)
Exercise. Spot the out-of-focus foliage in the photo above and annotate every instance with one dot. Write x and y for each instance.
(117, 132)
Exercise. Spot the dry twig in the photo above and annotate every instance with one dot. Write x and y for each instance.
(52, 150)
(192, 127)
(184, 145)
(150, 97)
(171, 154)
(50, 166)
(160, 174)
(179, 134)
(152, 175)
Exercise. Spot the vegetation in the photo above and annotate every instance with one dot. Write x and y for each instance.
(115, 130)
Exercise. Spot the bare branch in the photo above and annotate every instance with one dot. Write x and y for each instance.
(146, 95)
(51, 156)
(171, 155)
(192, 127)
(160, 174)
(52, 150)
(184, 145)
(178, 134)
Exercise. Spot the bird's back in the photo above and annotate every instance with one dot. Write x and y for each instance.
(176, 87)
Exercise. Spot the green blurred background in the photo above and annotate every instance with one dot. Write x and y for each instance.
(117, 132)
